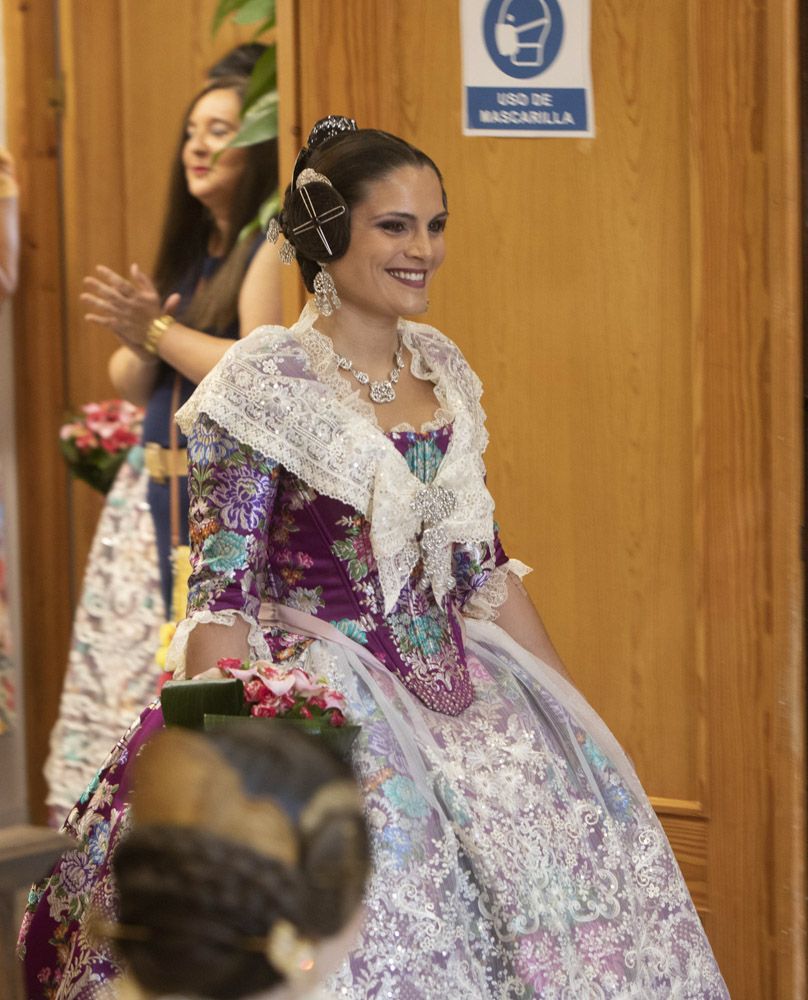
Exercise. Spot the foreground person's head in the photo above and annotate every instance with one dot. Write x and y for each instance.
(245, 865)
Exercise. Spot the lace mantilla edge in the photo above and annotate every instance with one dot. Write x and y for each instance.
(323, 359)
(175, 657)
(484, 604)
(268, 394)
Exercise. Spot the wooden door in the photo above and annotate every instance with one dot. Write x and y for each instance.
(631, 303)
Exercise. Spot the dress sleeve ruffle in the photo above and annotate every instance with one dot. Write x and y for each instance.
(175, 658)
(484, 604)
(481, 577)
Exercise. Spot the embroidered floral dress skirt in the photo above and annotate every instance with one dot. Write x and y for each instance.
(515, 854)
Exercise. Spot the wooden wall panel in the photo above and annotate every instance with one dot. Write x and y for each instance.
(745, 155)
(631, 304)
(94, 226)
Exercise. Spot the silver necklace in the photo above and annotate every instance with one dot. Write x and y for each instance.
(380, 392)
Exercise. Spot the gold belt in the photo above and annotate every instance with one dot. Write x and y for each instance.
(163, 462)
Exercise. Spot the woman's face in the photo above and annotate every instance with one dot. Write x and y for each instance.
(397, 244)
(213, 122)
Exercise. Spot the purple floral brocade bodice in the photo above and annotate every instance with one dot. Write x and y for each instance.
(259, 533)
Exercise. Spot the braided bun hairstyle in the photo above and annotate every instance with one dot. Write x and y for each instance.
(349, 159)
(197, 897)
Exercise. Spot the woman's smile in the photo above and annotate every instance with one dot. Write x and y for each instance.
(415, 279)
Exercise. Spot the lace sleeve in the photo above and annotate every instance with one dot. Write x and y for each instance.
(482, 578)
(232, 494)
(484, 604)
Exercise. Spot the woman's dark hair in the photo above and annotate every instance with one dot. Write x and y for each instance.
(239, 61)
(351, 161)
(188, 226)
(196, 897)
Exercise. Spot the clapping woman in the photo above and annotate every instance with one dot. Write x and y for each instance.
(208, 289)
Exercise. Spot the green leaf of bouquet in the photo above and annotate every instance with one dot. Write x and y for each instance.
(263, 78)
(69, 450)
(255, 10)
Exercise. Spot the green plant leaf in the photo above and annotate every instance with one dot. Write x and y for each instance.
(269, 23)
(255, 10)
(261, 221)
(223, 10)
(269, 208)
(248, 230)
(263, 79)
(260, 124)
(261, 104)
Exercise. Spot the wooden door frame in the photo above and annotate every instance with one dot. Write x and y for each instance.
(747, 310)
(31, 46)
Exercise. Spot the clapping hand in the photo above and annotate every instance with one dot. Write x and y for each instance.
(126, 306)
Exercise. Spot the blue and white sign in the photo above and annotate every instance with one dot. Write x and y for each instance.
(526, 68)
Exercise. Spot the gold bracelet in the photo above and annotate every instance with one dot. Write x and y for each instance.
(157, 328)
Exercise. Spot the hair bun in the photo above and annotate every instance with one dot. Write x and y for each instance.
(336, 857)
(316, 221)
(323, 130)
(327, 128)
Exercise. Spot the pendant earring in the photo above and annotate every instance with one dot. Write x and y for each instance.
(325, 292)
(286, 250)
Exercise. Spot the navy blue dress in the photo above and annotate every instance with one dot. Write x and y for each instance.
(157, 425)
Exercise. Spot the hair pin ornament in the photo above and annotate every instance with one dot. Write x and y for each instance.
(316, 220)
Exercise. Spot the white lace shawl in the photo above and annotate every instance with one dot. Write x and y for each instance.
(279, 392)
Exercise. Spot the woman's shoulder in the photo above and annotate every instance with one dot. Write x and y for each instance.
(265, 335)
(265, 369)
(438, 354)
(267, 340)
(429, 336)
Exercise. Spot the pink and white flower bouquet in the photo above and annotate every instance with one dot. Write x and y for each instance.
(291, 694)
(96, 441)
(259, 692)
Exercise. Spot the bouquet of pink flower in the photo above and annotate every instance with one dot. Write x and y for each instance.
(95, 442)
(271, 693)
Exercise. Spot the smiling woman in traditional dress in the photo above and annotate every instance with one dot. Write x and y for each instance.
(340, 522)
